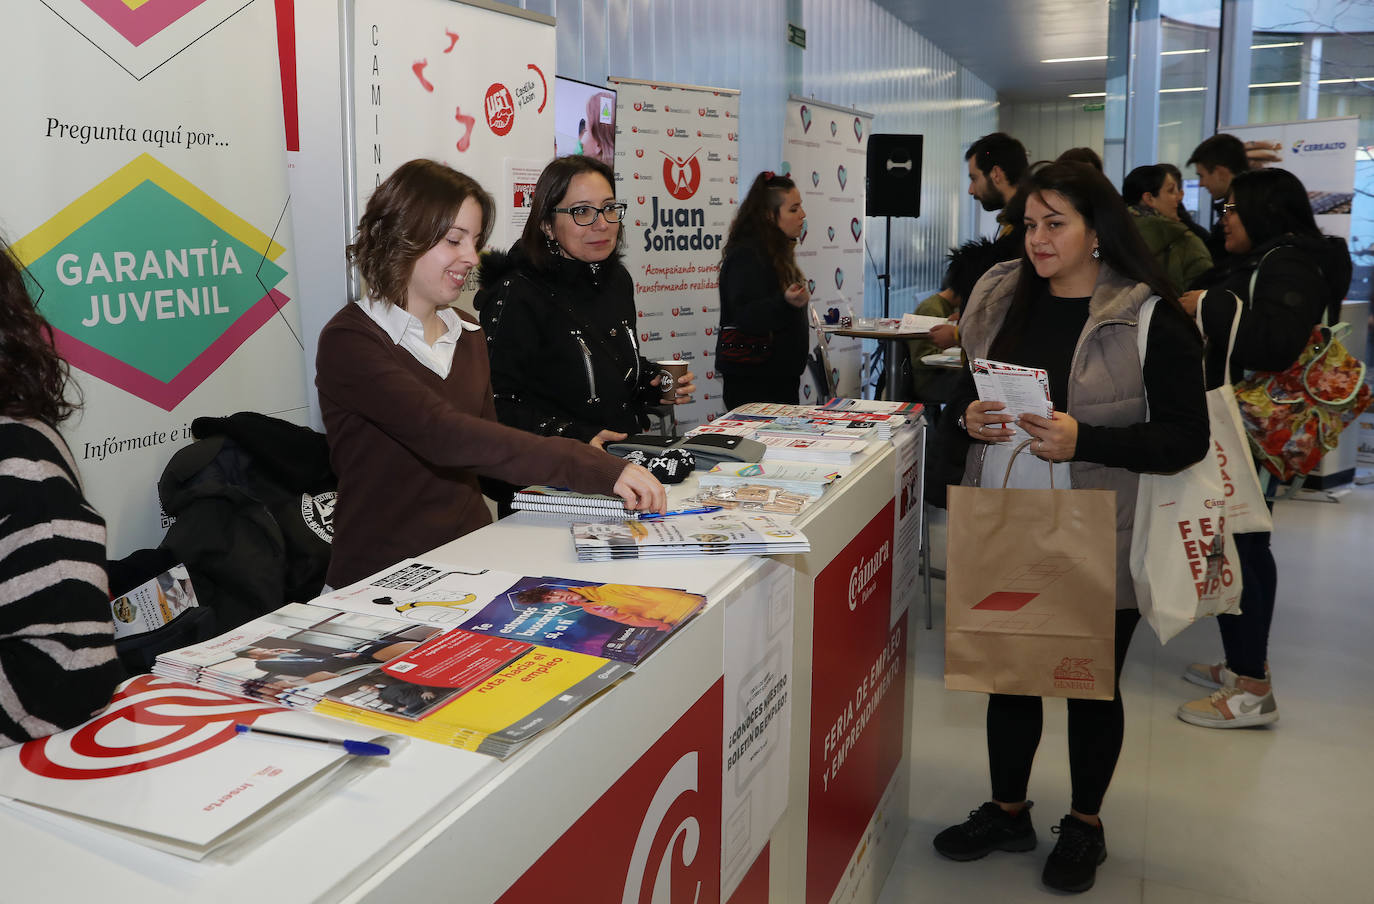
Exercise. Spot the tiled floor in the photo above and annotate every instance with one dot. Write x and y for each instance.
(1274, 815)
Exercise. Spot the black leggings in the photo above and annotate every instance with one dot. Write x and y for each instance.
(1095, 731)
(1245, 637)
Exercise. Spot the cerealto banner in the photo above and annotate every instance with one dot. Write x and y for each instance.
(146, 195)
(825, 150)
(677, 164)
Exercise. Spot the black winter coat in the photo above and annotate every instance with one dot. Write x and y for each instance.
(1299, 278)
(564, 355)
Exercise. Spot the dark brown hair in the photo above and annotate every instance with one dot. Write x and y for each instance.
(33, 377)
(407, 215)
(548, 192)
(756, 223)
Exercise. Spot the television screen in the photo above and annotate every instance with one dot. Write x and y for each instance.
(583, 120)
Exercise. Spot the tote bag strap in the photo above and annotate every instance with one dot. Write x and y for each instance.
(1230, 342)
(1142, 334)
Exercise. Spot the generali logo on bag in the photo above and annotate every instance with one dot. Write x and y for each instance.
(1075, 673)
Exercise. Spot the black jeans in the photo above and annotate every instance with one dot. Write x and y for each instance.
(1245, 637)
(1096, 728)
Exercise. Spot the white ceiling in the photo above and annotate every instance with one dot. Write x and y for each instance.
(1003, 41)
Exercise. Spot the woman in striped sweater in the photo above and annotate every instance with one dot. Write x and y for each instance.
(57, 655)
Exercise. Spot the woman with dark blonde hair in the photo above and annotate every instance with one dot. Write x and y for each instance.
(763, 338)
(406, 395)
(1071, 306)
(57, 653)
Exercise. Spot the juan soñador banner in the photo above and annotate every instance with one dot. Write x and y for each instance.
(145, 192)
(677, 164)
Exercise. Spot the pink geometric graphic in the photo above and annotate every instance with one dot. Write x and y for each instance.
(139, 24)
(169, 395)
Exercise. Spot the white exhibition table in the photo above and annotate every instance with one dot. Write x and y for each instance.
(395, 834)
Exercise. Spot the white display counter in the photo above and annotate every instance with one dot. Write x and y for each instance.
(626, 794)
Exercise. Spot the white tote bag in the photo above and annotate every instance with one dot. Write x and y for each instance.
(1246, 512)
(1183, 556)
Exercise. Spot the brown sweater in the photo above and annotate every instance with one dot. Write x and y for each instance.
(407, 446)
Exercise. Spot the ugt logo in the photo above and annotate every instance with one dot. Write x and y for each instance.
(682, 177)
(152, 722)
(500, 109)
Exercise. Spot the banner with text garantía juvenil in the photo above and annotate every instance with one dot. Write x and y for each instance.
(677, 164)
(824, 151)
(145, 192)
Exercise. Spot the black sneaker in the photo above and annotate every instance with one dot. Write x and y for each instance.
(988, 828)
(1073, 862)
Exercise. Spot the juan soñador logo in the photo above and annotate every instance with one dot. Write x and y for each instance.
(150, 283)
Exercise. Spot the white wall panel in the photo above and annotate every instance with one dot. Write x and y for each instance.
(861, 56)
(1048, 129)
(857, 55)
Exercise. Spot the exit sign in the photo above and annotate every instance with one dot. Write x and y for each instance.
(796, 35)
(1094, 108)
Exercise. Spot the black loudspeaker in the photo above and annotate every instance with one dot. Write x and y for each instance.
(894, 175)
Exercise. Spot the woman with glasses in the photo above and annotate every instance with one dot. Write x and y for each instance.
(559, 313)
(1289, 276)
(764, 332)
(405, 389)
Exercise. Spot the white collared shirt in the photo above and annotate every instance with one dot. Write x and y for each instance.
(406, 331)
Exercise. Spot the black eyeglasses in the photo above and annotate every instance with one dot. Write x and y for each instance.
(586, 214)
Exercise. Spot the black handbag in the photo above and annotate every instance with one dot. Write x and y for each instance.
(739, 347)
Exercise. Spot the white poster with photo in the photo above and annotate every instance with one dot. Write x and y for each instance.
(908, 446)
(1321, 153)
(677, 165)
(146, 195)
(825, 151)
(758, 717)
(467, 86)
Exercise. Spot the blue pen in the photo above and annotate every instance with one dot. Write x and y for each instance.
(356, 748)
(703, 510)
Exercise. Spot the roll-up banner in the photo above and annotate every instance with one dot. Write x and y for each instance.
(825, 149)
(1321, 152)
(677, 164)
(145, 193)
(464, 84)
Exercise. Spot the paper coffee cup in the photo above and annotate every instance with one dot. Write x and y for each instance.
(671, 372)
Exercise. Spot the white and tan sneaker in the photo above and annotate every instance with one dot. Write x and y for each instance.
(1213, 676)
(1243, 703)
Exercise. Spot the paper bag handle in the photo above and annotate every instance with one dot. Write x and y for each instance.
(1006, 478)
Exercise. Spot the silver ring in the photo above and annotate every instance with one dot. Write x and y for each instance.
(980, 427)
(1039, 444)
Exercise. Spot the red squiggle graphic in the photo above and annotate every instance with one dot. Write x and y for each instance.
(452, 40)
(467, 122)
(146, 700)
(419, 70)
(543, 81)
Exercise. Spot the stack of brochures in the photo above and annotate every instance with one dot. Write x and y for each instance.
(1023, 390)
(797, 442)
(479, 659)
(842, 417)
(727, 532)
(808, 479)
(567, 502)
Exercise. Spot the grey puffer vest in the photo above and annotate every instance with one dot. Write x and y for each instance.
(1106, 387)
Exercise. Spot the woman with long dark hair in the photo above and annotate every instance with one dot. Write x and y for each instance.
(762, 342)
(406, 393)
(57, 653)
(1289, 277)
(1070, 305)
(559, 313)
(1154, 196)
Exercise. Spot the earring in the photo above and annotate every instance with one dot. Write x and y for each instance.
(1097, 254)
(554, 248)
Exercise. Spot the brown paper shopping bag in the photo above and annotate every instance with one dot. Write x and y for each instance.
(1031, 593)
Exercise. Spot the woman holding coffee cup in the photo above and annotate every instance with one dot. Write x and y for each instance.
(763, 338)
(559, 313)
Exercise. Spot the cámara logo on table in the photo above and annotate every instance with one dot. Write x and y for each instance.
(150, 283)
